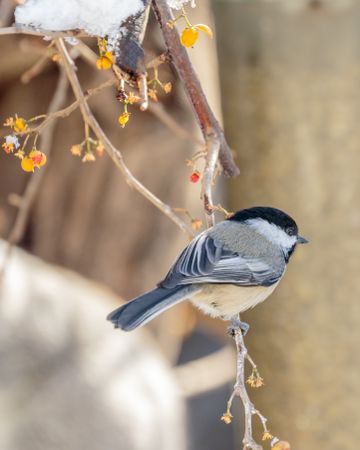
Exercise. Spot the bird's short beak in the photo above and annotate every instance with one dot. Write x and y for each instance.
(301, 240)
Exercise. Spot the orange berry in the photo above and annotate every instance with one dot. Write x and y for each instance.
(105, 61)
(100, 149)
(38, 158)
(189, 36)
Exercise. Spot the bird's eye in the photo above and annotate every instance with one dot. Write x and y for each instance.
(291, 231)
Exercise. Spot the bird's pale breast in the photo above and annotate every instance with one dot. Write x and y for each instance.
(227, 300)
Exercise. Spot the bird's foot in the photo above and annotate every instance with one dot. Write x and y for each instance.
(236, 325)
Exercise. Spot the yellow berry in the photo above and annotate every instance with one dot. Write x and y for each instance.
(27, 164)
(189, 36)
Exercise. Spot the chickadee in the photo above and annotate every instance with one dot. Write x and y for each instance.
(224, 271)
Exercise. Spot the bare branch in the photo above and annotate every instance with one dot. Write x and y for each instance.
(156, 62)
(155, 108)
(213, 134)
(143, 90)
(212, 155)
(90, 57)
(113, 152)
(65, 112)
(27, 200)
(159, 111)
(42, 33)
(35, 69)
(240, 390)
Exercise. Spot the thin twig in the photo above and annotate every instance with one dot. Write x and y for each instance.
(37, 47)
(212, 155)
(87, 54)
(155, 108)
(159, 111)
(35, 69)
(156, 62)
(42, 33)
(65, 112)
(240, 390)
(113, 152)
(213, 134)
(143, 91)
(27, 200)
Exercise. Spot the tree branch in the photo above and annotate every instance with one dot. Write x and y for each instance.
(240, 391)
(65, 112)
(27, 200)
(42, 33)
(113, 152)
(217, 147)
(214, 135)
(157, 109)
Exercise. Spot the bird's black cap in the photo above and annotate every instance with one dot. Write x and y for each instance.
(271, 215)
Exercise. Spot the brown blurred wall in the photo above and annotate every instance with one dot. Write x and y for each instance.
(290, 75)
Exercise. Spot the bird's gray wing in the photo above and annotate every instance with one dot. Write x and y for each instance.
(206, 260)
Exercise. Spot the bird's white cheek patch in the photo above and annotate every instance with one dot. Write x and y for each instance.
(272, 232)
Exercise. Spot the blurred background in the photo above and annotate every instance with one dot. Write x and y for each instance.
(283, 76)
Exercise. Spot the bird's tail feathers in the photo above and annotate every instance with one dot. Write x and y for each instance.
(142, 309)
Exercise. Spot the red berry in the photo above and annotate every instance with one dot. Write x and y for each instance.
(195, 177)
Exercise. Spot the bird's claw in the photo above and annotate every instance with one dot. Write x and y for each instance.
(236, 325)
